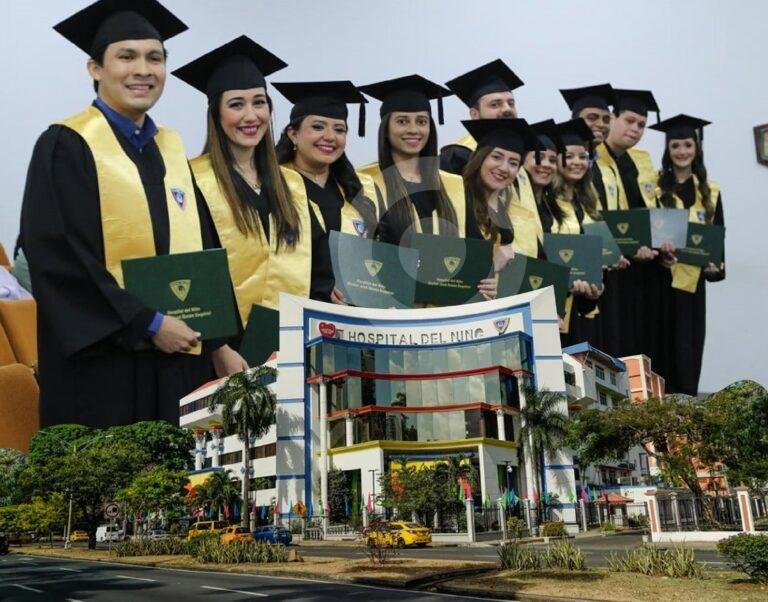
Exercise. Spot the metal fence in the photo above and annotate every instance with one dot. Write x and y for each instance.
(720, 513)
(488, 520)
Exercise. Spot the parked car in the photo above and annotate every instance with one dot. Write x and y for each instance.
(273, 534)
(3, 543)
(231, 534)
(79, 536)
(158, 534)
(206, 526)
(109, 533)
(410, 534)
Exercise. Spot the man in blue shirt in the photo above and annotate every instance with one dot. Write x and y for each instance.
(99, 191)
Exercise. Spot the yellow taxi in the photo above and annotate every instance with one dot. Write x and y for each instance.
(410, 534)
(231, 534)
(206, 526)
(79, 536)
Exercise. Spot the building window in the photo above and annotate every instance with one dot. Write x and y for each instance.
(603, 398)
(570, 378)
(231, 458)
(600, 372)
(643, 461)
(613, 378)
(263, 451)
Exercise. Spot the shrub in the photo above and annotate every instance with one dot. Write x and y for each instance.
(297, 528)
(639, 521)
(142, 546)
(747, 553)
(514, 556)
(198, 540)
(516, 527)
(564, 555)
(761, 524)
(553, 528)
(647, 560)
(608, 528)
(236, 552)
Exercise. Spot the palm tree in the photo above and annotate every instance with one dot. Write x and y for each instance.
(543, 427)
(217, 492)
(248, 410)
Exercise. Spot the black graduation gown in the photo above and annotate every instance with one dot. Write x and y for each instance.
(97, 366)
(423, 201)
(689, 317)
(454, 158)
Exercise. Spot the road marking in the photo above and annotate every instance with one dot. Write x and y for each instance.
(136, 578)
(29, 589)
(234, 591)
(63, 568)
(72, 600)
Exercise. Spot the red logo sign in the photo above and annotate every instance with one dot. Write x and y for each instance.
(326, 329)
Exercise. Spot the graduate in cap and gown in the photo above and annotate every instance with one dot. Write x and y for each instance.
(683, 184)
(634, 321)
(259, 211)
(106, 185)
(488, 177)
(314, 144)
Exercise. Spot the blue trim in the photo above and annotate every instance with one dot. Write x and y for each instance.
(290, 438)
(288, 477)
(291, 400)
(555, 466)
(290, 365)
(548, 357)
(517, 333)
(564, 505)
(544, 321)
(585, 347)
(287, 328)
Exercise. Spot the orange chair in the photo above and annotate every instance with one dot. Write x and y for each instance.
(19, 319)
(4, 261)
(19, 407)
(6, 352)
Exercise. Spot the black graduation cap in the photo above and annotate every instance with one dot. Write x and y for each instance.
(549, 137)
(575, 131)
(410, 93)
(510, 134)
(599, 96)
(637, 101)
(327, 99)
(107, 21)
(681, 127)
(237, 65)
(487, 79)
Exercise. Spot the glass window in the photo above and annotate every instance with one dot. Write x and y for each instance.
(492, 388)
(395, 361)
(454, 360)
(460, 389)
(338, 433)
(490, 425)
(367, 360)
(472, 423)
(600, 372)
(613, 378)
(510, 425)
(603, 398)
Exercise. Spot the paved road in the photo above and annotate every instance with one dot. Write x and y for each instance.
(34, 578)
(596, 549)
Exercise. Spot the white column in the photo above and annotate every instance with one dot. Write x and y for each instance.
(470, 509)
(323, 408)
(583, 508)
(199, 449)
(747, 518)
(500, 425)
(502, 520)
(216, 446)
(526, 450)
(349, 429)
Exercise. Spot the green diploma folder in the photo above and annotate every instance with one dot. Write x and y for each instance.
(668, 225)
(194, 287)
(524, 274)
(373, 274)
(611, 251)
(450, 268)
(705, 245)
(631, 229)
(581, 253)
(261, 336)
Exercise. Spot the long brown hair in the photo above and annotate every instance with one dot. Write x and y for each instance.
(476, 195)
(584, 195)
(398, 203)
(668, 182)
(273, 186)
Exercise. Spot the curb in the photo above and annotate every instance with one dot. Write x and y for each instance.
(509, 595)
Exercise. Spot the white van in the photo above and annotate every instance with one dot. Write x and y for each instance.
(109, 533)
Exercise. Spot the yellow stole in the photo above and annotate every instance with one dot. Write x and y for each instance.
(525, 198)
(614, 189)
(570, 223)
(467, 142)
(258, 271)
(351, 220)
(454, 188)
(524, 224)
(125, 218)
(685, 277)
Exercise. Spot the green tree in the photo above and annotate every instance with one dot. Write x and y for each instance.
(55, 440)
(166, 444)
(339, 489)
(247, 410)
(12, 463)
(8, 516)
(543, 427)
(217, 492)
(158, 489)
(92, 475)
(43, 516)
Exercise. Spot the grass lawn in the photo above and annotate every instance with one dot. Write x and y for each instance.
(599, 584)
(395, 572)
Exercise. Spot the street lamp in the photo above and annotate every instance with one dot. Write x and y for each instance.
(75, 449)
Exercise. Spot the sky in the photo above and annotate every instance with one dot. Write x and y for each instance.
(696, 57)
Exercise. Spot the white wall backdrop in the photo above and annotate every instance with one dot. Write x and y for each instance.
(700, 57)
